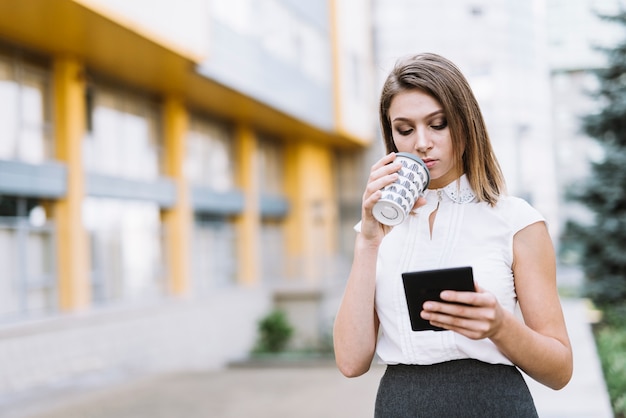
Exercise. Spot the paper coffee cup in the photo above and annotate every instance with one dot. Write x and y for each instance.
(399, 197)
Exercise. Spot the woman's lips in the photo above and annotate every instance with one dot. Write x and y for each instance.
(429, 162)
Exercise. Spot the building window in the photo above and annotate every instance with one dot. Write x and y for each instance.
(280, 30)
(24, 112)
(287, 36)
(28, 283)
(214, 253)
(209, 156)
(124, 140)
(351, 171)
(271, 175)
(127, 257)
(270, 163)
(209, 163)
(273, 251)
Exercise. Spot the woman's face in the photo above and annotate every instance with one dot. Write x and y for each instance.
(420, 127)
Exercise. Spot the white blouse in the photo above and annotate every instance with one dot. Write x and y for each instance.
(465, 233)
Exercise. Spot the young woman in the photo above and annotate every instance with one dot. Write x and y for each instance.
(470, 369)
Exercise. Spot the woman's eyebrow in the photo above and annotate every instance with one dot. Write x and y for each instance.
(430, 115)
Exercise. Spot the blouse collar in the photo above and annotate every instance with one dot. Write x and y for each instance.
(459, 191)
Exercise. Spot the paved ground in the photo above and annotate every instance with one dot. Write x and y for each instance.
(301, 392)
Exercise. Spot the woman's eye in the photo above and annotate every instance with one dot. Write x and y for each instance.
(439, 125)
(404, 132)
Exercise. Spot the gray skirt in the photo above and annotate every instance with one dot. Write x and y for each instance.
(459, 388)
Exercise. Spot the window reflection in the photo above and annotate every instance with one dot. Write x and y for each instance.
(126, 249)
(208, 163)
(281, 30)
(208, 160)
(31, 138)
(271, 167)
(28, 281)
(23, 115)
(124, 140)
(214, 250)
(349, 172)
(271, 183)
(272, 245)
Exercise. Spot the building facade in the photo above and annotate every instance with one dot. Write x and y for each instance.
(166, 178)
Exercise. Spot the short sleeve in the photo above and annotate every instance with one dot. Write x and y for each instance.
(522, 214)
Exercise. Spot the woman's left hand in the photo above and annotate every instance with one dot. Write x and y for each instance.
(476, 315)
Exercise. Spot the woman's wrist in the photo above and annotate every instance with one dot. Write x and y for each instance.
(366, 244)
(505, 327)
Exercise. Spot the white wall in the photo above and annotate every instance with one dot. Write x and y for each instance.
(116, 344)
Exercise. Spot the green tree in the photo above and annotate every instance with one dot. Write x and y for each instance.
(602, 241)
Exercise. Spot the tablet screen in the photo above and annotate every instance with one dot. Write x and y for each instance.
(420, 286)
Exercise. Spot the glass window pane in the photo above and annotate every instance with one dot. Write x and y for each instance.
(273, 252)
(214, 253)
(9, 294)
(314, 54)
(277, 30)
(209, 156)
(124, 140)
(31, 145)
(8, 111)
(28, 283)
(22, 112)
(39, 270)
(105, 141)
(126, 249)
(32, 104)
(271, 167)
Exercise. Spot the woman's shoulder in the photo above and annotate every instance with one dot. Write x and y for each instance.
(509, 202)
(517, 211)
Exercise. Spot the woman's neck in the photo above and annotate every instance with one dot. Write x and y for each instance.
(444, 180)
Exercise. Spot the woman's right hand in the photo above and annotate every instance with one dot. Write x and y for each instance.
(382, 173)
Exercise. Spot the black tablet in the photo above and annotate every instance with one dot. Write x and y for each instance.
(420, 286)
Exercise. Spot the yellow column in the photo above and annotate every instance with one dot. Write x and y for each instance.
(249, 222)
(336, 63)
(72, 241)
(296, 218)
(311, 225)
(177, 220)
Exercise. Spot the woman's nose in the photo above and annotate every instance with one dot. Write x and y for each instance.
(422, 142)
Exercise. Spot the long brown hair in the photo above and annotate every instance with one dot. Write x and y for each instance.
(441, 79)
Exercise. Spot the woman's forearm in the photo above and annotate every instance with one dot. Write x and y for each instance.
(546, 359)
(356, 325)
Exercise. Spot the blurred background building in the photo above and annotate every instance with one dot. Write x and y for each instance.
(170, 173)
